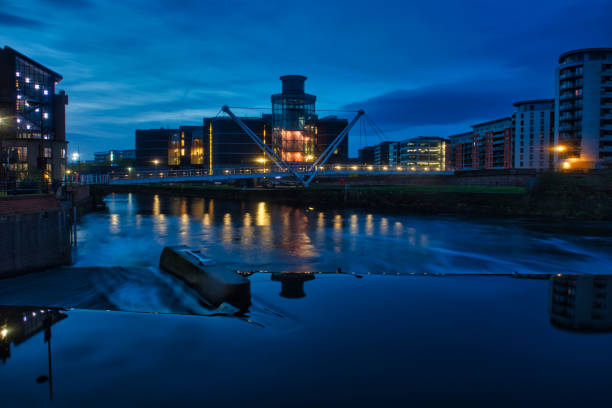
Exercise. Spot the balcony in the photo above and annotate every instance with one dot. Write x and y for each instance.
(569, 74)
(570, 116)
(566, 127)
(569, 96)
(570, 106)
(571, 85)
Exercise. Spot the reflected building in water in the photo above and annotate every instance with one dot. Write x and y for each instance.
(581, 302)
(18, 324)
(292, 284)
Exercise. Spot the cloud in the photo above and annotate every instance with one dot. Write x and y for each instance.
(12, 20)
(444, 104)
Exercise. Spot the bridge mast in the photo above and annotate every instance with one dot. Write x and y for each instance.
(273, 156)
(322, 159)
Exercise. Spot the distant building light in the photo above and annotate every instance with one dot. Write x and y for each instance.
(36, 86)
(27, 80)
(17, 74)
(18, 96)
(46, 92)
(566, 165)
(18, 120)
(46, 115)
(28, 127)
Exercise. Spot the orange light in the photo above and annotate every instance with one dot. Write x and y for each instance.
(566, 165)
(560, 148)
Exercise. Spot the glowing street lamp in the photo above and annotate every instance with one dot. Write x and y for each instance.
(156, 162)
(560, 148)
(566, 165)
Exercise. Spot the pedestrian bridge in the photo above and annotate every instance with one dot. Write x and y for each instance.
(152, 176)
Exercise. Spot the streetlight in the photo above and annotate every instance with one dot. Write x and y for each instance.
(155, 162)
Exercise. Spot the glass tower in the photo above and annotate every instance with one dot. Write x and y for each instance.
(293, 121)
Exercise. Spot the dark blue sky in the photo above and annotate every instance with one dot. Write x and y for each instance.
(417, 68)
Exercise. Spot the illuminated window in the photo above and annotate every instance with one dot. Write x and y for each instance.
(182, 152)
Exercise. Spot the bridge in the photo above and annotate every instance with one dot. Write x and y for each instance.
(149, 176)
(279, 169)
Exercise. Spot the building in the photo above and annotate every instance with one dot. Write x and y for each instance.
(583, 107)
(461, 147)
(114, 156)
(226, 145)
(425, 153)
(394, 154)
(188, 155)
(157, 147)
(366, 155)
(32, 119)
(492, 144)
(534, 133)
(326, 130)
(293, 121)
(381, 153)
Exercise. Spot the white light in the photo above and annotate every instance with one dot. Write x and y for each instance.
(27, 80)
(46, 92)
(36, 86)
(75, 156)
(17, 74)
(46, 115)
(18, 96)
(18, 120)
(28, 127)
(3, 333)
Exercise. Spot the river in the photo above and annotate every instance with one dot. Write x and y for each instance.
(264, 235)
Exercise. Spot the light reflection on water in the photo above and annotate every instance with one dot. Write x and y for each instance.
(265, 235)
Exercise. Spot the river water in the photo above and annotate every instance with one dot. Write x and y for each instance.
(267, 236)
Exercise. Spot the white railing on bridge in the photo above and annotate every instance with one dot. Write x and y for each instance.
(83, 179)
(133, 176)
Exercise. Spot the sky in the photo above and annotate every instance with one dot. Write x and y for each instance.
(417, 68)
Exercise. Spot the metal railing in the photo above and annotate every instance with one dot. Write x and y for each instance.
(272, 171)
(85, 179)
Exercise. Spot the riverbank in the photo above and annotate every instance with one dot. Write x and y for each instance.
(556, 196)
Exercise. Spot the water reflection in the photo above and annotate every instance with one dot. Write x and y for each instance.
(299, 239)
(292, 284)
(581, 303)
(19, 324)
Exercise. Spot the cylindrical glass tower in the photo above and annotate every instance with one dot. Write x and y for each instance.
(293, 121)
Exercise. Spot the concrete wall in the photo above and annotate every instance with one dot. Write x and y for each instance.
(32, 241)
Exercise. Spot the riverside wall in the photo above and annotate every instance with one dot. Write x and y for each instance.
(35, 233)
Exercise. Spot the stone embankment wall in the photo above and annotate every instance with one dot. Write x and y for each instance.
(35, 233)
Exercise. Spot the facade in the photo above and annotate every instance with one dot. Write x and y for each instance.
(534, 133)
(394, 154)
(583, 107)
(32, 119)
(326, 130)
(157, 147)
(492, 144)
(226, 145)
(425, 153)
(293, 121)
(115, 155)
(461, 148)
(188, 156)
(366, 155)
(381, 153)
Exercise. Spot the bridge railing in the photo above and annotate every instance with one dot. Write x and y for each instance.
(83, 179)
(327, 169)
